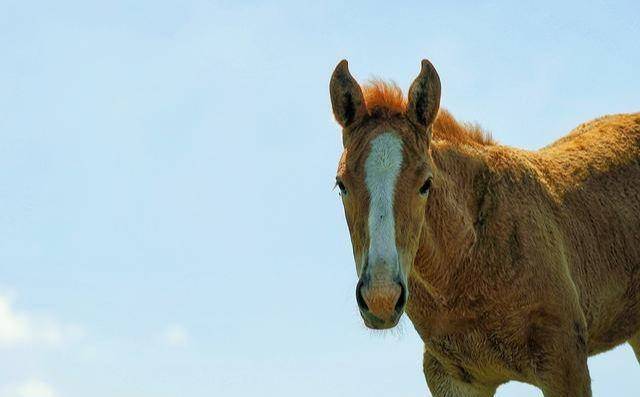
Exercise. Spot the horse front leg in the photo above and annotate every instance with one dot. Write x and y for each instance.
(635, 344)
(568, 379)
(564, 371)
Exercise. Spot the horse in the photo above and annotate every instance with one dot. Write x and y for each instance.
(511, 264)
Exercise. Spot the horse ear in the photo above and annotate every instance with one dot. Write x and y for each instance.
(347, 100)
(424, 97)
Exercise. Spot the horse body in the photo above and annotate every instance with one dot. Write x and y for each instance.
(593, 171)
(521, 265)
(554, 254)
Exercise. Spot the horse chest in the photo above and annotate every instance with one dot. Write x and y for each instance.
(457, 357)
(471, 358)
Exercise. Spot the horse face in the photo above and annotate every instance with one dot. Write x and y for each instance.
(384, 176)
(384, 192)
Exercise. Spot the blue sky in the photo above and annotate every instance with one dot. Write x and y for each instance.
(167, 224)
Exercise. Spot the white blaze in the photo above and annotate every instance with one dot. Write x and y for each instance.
(381, 172)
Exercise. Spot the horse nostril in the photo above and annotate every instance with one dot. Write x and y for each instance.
(402, 299)
(361, 303)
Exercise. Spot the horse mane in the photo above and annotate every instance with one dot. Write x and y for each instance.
(384, 98)
(447, 128)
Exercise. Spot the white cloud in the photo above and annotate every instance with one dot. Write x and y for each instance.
(20, 328)
(29, 388)
(175, 335)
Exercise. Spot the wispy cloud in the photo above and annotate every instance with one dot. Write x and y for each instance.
(28, 388)
(19, 328)
(175, 335)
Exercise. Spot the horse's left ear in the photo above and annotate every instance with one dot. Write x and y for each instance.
(424, 97)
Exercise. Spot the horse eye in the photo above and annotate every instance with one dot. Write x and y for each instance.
(343, 190)
(424, 190)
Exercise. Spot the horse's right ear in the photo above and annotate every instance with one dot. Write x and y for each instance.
(424, 97)
(347, 100)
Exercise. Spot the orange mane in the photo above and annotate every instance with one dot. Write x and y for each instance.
(382, 97)
(386, 99)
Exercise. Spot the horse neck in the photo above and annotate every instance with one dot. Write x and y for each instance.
(449, 232)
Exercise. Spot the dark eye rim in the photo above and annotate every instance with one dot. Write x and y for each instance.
(426, 187)
(340, 185)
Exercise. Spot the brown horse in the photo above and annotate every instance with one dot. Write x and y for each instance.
(511, 264)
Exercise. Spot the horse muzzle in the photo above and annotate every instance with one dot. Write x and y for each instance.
(381, 302)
